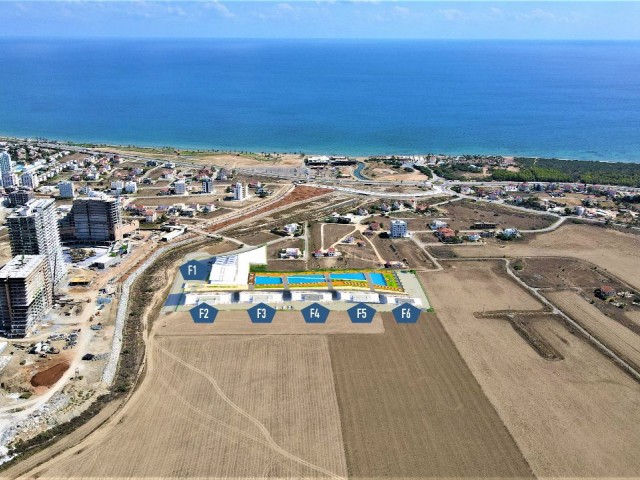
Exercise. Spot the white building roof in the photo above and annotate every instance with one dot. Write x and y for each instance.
(234, 269)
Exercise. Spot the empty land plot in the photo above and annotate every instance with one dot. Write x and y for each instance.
(219, 248)
(575, 417)
(174, 200)
(614, 335)
(609, 249)
(255, 237)
(411, 408)
(462, 215)
(287, 265)
(358, 257)
(386, 247)
(335, 233)
(426, 237)
(414, 255)
(633, 316)
(314, 236)
(273, 250)
(224, 407)
(547, 272)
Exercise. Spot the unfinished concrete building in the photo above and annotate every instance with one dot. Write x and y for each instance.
(97, 220)
(33, 230)
(25, 294)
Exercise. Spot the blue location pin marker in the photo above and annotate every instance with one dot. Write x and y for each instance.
(203, 313)
(194, 270)
(406, 313)
(261, 313)
(315, 313)
(361, 313)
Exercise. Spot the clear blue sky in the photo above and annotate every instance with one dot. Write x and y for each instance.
(322, 19)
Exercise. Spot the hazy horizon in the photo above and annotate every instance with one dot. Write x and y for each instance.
(410, 20)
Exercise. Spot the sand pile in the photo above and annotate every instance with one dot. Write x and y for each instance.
(51, 375)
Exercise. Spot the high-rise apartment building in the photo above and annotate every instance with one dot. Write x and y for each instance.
(33, 230)
(97, 220)
(6, 165)
(25, 294)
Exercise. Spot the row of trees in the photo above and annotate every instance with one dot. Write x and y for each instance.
(555, 170)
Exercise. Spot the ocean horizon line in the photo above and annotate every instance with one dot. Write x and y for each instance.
(336, 39)
(231, 150)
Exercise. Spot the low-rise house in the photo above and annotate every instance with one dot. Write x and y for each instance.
(510, 233)
(290, 253)
(150, 216)
(605, 292)
(436, 224)
(291, 228)
(445, 234)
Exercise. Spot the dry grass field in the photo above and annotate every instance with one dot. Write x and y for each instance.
(334, 233)
(545, 272)
(355, 257)
(575, 417)
(153, 201)
(228, 159)
(225, 407)
(634, 316)
(256, 237)
(463, 214)
(410, 407)
(415, 256)
(609, 249)
(619, 338)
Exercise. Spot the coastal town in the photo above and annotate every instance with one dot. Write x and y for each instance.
(96, 243)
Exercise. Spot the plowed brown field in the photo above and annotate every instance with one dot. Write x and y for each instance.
(576, 417)
(410, 407)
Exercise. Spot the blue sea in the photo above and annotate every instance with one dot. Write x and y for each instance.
(566, 99)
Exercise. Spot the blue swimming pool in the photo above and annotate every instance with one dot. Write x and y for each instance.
(348, 276)
(265, 280)
(378, 279)
(293, 279)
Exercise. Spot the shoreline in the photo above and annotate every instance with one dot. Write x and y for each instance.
(223, 150)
